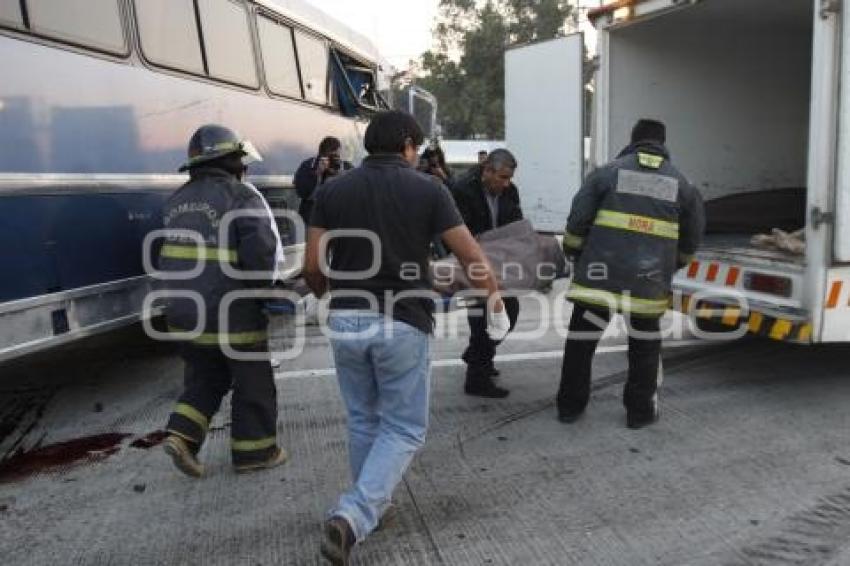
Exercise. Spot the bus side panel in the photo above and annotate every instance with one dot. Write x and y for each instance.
(74, 116)
(62, 242)
(64, 112)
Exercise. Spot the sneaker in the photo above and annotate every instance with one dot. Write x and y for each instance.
(279, 458)
(338, 542)
(636, 420)
(183, 456)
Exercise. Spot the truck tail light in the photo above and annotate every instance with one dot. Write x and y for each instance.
(770, 284)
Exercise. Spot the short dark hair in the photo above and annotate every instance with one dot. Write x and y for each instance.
(500, 159)
(649, 130)
(389, 131)
(329, 144)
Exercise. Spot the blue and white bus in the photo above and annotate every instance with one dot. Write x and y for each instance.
(98, 99)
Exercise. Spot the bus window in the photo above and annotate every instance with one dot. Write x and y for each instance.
(355, 85)
(10, 13)
(314, 58)
(92, 23)
(279, 58)
(227, 42)
(169, 34)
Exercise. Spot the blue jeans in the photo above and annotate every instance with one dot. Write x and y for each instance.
(384, 372)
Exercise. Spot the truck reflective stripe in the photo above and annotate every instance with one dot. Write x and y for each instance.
(731, 316)
(713, 271)
(636, 223)
(781, 330)
(624, 303)
(834, 295)
(732, 276)
(193, 415)
(198, 253)
(707, 312)
(693, 270)
(650, 161)
(252, 445)
(756, 320)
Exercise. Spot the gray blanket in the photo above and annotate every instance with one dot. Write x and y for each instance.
(522, 259)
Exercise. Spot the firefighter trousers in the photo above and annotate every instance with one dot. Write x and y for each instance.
(586, 329)
(209, 375)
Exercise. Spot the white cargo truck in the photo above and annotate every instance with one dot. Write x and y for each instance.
(756, 97)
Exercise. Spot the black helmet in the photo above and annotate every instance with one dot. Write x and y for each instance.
(212, 141)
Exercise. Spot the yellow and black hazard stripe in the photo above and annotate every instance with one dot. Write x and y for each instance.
(758, 324)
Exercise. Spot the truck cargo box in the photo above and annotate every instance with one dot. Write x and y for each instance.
(749, 92)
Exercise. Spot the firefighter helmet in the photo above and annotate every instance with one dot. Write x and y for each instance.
(212, 142)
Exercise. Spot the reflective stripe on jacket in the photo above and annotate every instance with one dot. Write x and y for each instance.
(221, 227)
(633, 224)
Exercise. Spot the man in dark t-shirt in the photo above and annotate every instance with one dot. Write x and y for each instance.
(377, 222)
(399, 211)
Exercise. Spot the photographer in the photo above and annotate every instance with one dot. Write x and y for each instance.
(315, 171)
(433, 162)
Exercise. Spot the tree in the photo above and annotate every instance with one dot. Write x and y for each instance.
(466, 69)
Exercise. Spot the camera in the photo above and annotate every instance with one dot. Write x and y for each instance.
(334, 163)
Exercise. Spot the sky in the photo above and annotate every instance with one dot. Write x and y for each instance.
(401, 29)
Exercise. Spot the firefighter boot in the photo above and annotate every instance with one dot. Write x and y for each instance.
(278, 458)
(183, 456)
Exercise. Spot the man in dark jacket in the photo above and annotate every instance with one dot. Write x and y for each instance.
(315, 171)
(633, 224)
(487, 199)
(224, 229)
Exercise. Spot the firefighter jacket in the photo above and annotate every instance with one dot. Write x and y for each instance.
(224, 230)
(633, 224)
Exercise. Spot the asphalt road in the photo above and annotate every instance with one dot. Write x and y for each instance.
(750, 463)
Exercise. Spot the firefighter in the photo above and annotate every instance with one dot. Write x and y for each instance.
(215, 222)
(633, 224)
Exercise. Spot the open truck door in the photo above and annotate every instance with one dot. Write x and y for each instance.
(544, 126)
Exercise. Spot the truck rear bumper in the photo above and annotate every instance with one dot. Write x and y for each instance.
(717, 286)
